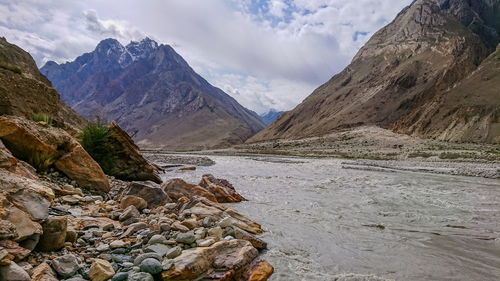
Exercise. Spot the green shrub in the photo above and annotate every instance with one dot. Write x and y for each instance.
(41, 117)
(10, 67)
(94, 140)
(41, 161)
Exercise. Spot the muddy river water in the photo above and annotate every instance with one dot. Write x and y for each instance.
(324, 222)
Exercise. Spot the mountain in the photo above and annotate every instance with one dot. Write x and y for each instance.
(153, 94)
(24, 91)
(270, 116)
(430, 73)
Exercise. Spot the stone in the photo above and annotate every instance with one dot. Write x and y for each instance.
(216, 232)
(178, 226)
(13, 272)
(151, 266)
(228, 257)
(151, 192)
(118, 244)
(138, 260)
(43, 272)
(185, 238)
(206, 242)
(54, 234)
(261, 271)
(66, 266)
(120, 276)
(160, 249)
(190, 223)
(101, 270)
(223, 191)
(131, 200)
(30, 242)
(71, 235)
(140, 276)
(129, 163)
(79, 166)
(13, 248)
(35, 204)
(130, 212)
(25, 227)
(174, 252)
(157, 239)
(177, 188)
(256, 242)
(7, 230)
(14, 165)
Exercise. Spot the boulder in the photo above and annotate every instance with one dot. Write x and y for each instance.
(177, 188)
(14, 249)
(101, 270)
(45, 146)
(243, 235)
(129, 200)
(54, 234)
(43, 272)
(151, 192)
(226, 259)
(25, 227)
(260, 271)
(14, 165)
(151, 266)
(66, 266)
(79, 166)
(224, 192)
(129, 163)
(33, 203)
(13, 272)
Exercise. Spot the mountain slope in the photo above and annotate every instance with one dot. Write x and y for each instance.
(24, 91)
(153, 94)
(406, 68)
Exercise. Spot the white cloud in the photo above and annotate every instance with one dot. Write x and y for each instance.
(265, 54)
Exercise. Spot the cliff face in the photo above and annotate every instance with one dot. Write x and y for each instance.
(406, 73)
(154, 95)
(24, 91)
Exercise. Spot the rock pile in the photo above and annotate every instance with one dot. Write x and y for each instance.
(58, 226)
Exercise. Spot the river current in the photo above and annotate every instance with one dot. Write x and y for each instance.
(324, 222)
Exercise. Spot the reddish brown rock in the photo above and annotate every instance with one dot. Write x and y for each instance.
(54, 234)
(177, 188)
(14, 249)
(260, 271)
(221, 188)
(151, 192)
(43, 272)
(131, 200)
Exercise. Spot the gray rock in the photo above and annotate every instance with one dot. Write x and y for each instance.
(167, 264)
(120, 276)
(157, 239)
(160, 249)
(186, 238)
(75, 279)
(138, 260)
(130, 212)
(174, 252)
(152, 266)
(140, 276)
(65, 266)
(13, 272)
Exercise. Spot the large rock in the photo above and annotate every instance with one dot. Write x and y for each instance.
(13, 272)
(177, 188)
(221, 188)
(260, 271)
(54, 234)
(25, 227)
(44, 146)
(66, 266)
(226, 259)
(14, 165)
(101, 270)
(149, 191)
(127, 159)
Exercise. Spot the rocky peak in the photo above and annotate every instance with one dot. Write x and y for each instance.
(142, 48)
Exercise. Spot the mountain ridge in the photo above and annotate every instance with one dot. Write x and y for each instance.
(153, 93)
(405, 68)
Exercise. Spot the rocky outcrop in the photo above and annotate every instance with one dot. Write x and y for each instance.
(151, 192)
(404, 78)
(211, 188)
(46, 146)
(127, 160)
(24, 91)
(154, 95)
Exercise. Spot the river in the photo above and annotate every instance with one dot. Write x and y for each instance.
(324, 222)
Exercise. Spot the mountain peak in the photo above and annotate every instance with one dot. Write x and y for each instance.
(141, 49)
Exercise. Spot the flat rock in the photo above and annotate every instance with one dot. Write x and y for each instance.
(65, 266)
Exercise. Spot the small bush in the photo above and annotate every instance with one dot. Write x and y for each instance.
(41, 161)
(95, 141)
(10, 67)
(41, 117)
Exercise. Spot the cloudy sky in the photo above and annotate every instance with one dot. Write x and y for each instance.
(265, 53)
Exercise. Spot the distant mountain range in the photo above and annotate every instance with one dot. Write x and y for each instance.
(270, 116)
(154, 94)
(433, 72)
